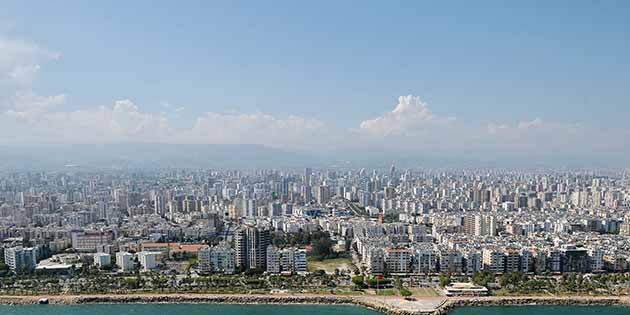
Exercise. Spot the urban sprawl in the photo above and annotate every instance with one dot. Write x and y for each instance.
(339, 231)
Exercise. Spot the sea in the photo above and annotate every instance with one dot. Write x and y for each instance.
(225, 309)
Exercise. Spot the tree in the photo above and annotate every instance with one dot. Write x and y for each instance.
(405, 292)
(358, 281)
(191, 262)
(4, 269)
(482, 278)
(445, 280)
(322, 247)
(376, 282)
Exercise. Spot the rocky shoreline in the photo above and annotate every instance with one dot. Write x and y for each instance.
(374, 303)
(209, 299)
(452, 303)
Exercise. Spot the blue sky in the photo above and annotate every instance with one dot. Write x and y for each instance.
(333, 63)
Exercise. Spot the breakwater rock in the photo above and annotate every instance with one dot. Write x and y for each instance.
(208, 299)
(391, 306)
(516, 301)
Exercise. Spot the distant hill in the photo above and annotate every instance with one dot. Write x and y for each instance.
(244, 156)
(148, 155)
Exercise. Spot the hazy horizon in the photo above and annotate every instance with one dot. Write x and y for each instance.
(250, 156)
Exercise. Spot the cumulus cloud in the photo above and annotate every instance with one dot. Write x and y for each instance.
(410, 115)
(410, 127)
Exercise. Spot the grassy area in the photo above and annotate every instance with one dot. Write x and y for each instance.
(503, 292)
(329, 265)
(423, 292)
(337, 291)
(387, 292)
(348, 292)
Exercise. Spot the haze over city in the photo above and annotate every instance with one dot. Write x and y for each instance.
(521, 84)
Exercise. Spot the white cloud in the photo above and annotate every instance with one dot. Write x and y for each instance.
(410, 115)
(411, 127)
(21, 60)
(257, 128)
(536, 123)
(20, 63)
(30, 101)
(532, 127)
(124, 121)
(538, 139)
(26, 116)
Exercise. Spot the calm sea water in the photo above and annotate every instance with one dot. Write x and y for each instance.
(543, 310)
(184, 309)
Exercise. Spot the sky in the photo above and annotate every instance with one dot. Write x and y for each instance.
(495, 80)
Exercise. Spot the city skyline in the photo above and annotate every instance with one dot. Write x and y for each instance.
(383, 157)
(301, 231)
(492, 82)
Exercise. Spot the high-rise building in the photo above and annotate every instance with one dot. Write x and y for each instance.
(289, 260)
(273, 259)
(159, 205)
(596, 256)
(124, 262)
(21, 259)
(323, 194)
(485, 225)
(306, 193)
(102, 260)
(398, 260)
(512, 260)
(299, 261)
(493, 260)
(275, 209)
(217, 259)
(527, 261)
(425, 260)
(148, 260)
(307, 176)
(250, 244)
(287, 209)
(474, 262)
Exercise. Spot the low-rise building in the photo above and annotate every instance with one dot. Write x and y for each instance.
(465, 289)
